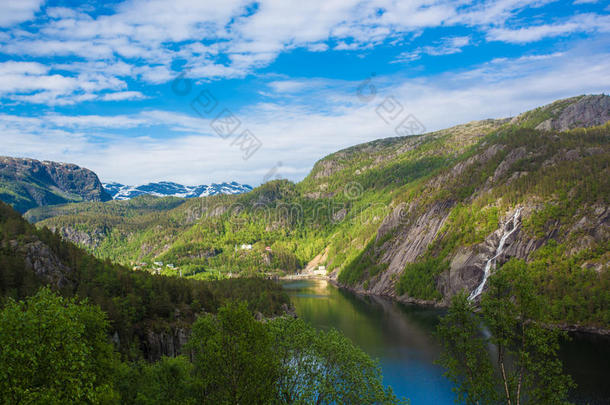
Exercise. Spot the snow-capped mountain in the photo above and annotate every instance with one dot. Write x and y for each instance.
(120, 191)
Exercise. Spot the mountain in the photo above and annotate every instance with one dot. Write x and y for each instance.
(417, 218)
(166, 189)
(150, 315)
(29, 183)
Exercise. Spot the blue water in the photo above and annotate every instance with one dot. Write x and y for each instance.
(402, 338)
(397, 335)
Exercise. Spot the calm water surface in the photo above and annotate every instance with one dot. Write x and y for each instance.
(401, 337)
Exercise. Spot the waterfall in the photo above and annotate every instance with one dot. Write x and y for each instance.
(491, 262)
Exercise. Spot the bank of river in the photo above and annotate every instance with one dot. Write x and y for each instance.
(401, 337)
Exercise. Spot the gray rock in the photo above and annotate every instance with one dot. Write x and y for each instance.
(513, 157)
(588, 111)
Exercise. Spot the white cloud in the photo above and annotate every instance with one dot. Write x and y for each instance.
(577, 24)
(317, 47)
(95, 121)
(22, 68)
(295, 134)
(494, 12)
(39, 84)
(143, 39)
(123, 95)
(147, 32)
(13, 12)
(447, 46)
(287, 86)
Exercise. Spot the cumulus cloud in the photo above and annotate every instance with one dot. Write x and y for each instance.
(13, 12)
(73, 55)
(145, 40)
(287, 86)
(293, 133)
(37, 83)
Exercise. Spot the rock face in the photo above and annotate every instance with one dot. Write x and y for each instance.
(326, 168)
(587, 112)
(420, 226)
(412, 238)
(46, 265)
(29, 183)
(91, 239)
(467, 266)
(576, 112)
(467, 263)
(164, 343)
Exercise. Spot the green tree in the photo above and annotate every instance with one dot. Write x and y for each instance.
(167, 381)
(465, 355)
(233, 357)
(320, 367)
(517, 318)
(529, 370)
(54, 351)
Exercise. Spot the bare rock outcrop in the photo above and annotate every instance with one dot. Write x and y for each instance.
(91, 238)
(326, 168)
(411, 240)
(45, 263)
(156, 344)
(513, 157)
(588, 111)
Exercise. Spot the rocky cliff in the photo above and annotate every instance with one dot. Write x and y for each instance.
(577, 112)
(511, 195)
(29, 183)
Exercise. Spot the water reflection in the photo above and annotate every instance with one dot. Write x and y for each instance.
(401, 337)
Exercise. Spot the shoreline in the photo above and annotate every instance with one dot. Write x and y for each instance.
(570, 329)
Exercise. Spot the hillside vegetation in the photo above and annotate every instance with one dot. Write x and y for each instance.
(148, 315)
(413, 217)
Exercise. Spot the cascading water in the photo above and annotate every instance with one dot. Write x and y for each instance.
(491, 262)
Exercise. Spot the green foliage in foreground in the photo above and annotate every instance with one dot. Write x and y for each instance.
(56, 351)
(528, 368)
(324, 367)
(233, 358)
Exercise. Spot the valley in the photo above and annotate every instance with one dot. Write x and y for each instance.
(415, 218)
(394, 229)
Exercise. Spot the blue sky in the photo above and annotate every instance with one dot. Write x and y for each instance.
(111, 85)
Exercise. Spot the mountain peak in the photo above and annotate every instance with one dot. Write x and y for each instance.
(27, 183)
(562, 115)
(120, 191)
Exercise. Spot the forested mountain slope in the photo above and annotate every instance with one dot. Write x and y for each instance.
(419, 218)
(29, 183)
(149, 315)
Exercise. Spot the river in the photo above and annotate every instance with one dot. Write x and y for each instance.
(401, 338)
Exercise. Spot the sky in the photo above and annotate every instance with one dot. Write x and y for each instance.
(203, 91)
